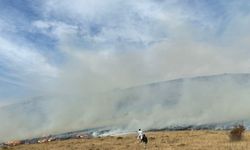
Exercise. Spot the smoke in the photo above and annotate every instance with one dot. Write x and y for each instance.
(111, 89)
(107, 82)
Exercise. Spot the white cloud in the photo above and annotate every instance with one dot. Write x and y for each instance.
(177, 28)
(24, 66)
(116, 22)
(55, 29)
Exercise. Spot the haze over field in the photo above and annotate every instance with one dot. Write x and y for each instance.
(77, 61)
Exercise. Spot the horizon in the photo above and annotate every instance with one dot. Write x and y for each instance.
(146, 84)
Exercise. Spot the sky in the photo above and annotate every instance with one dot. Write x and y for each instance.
(48, 46)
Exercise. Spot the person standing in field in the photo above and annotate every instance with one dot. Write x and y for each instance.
(140, 134)
(142, 137)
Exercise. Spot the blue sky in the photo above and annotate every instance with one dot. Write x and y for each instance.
(135, 41)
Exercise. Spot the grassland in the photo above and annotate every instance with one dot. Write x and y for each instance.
(169, 140)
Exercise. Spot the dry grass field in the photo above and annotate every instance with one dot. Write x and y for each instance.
(169, 140)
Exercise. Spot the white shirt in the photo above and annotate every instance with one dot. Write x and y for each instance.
(140, 134)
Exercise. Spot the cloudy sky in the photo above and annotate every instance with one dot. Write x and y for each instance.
(117, 42)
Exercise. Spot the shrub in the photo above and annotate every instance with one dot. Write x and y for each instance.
(236, 134)
(119, 138)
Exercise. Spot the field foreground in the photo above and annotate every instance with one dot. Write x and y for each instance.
(164, 140)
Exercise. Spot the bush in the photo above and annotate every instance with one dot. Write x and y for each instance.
(119, 138)
(236, 134)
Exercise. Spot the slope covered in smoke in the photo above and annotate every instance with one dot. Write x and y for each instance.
(181, 102)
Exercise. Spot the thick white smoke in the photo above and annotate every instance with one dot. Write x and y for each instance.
(110, 89)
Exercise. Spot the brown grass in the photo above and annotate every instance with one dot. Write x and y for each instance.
(174, 140)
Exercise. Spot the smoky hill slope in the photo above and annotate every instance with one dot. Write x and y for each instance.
(171, 93)
(204, 100)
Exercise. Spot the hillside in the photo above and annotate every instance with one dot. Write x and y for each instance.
(206, 102)
(178, 140)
